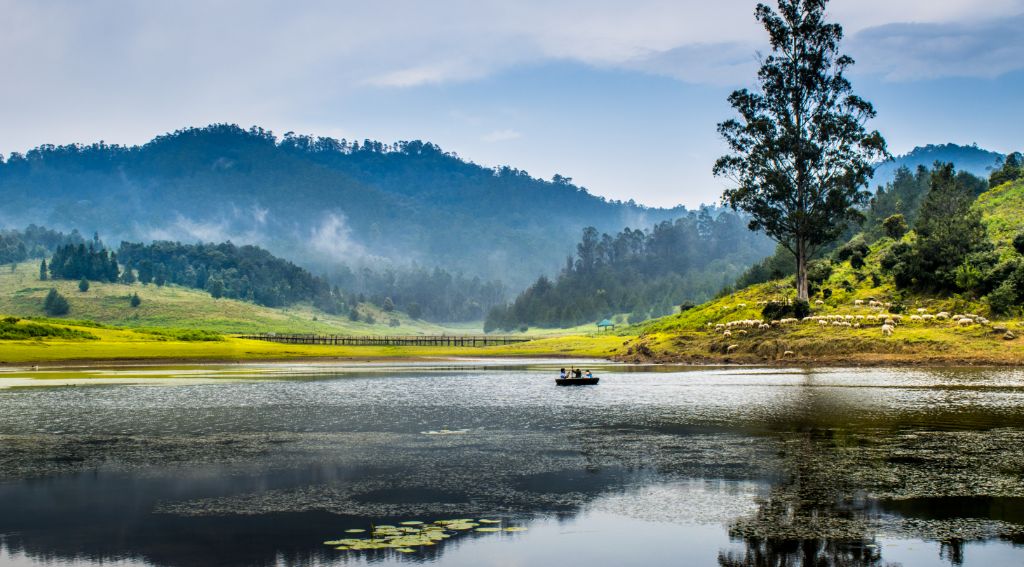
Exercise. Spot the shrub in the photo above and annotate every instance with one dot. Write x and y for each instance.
(857, 261)
(895, 226)
(388, 305)
(370, 319)
(56, 304)
(394, 322)
(135, 301)
(1018, 243)
(855, 247)
(83, 285)
(818, 271)
(523, 328)
(826, 293)
(1002, 299)
(776, 310)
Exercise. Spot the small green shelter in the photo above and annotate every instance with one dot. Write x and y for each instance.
(605, 324)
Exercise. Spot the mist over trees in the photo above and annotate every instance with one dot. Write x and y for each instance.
(646, 273)
(33, 242)
(316, 201)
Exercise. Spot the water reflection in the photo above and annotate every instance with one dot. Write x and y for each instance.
(722, 466)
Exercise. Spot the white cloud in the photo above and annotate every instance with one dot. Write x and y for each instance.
(903, 52)
(501, 136)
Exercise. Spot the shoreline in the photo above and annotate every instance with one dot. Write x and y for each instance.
(867, 360)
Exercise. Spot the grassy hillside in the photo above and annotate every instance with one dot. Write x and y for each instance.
(21, 294)
(58, 341)
(1002, 209)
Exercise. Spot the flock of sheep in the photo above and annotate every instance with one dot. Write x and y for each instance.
(888, 321)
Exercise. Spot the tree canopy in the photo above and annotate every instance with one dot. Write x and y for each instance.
(801, 153)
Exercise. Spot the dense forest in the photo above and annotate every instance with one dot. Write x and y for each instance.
(316, 201)
(225, 270)
(645, 273)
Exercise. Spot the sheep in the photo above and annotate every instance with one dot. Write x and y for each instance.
(922, 310)
(859, 302)
(942, 316)
(891, 323)
(788, 353)
(732, 348)
(819, 302)
(741, 333)
(915, 318)
(764, 327)
(727, 334)
(965, 322)
(822, 322)
(887, 330)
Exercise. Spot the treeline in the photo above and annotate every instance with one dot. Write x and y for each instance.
(81, 262)
(33, 242)
(645, 273)
(431, 294)
(246, 272)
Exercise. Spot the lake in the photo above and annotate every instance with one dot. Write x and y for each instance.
(657, 465)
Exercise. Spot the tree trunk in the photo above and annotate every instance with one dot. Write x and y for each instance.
(801, 272)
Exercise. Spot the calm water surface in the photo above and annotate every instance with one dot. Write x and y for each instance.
(655, 466)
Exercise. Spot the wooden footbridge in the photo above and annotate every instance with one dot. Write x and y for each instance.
(383, 340)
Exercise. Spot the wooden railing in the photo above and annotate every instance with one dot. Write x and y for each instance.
(411, 340)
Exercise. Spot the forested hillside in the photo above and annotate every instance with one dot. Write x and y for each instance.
(644, 273)
(316, 201)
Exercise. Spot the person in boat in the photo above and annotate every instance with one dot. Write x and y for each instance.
(577, 374)
(562, 375)
(588, 375)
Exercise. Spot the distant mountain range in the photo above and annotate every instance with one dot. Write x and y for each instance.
(318, 201)
(324, 203)
(971, 159)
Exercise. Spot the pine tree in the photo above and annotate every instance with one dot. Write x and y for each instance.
(43, 273)
(135, 300)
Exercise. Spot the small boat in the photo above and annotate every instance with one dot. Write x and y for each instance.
(576, 381)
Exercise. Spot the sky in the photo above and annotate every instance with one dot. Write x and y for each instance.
(621, 96)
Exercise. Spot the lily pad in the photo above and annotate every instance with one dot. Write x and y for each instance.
(355, 531)
(515, 529)
(405, 550)
(488, 529)
(412, 523)
(489, 521)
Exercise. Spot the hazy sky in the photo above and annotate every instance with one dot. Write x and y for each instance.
(621, 96)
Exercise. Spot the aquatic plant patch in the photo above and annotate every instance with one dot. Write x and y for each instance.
(412, 535)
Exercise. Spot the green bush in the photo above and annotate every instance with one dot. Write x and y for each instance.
(14, 332)
(895, 226)
(776, 310)
(1003, 299)
(56, 304)
(83, 285)
(1018, 243)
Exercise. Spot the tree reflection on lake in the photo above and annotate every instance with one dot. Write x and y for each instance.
(729, 467)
